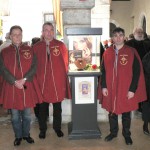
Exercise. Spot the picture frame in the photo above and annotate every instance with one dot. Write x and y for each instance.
(48, 17)
(89, 38)
(89, 45)
(84, 90)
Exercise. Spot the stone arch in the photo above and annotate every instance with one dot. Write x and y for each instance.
(144, 24)
(142, 21)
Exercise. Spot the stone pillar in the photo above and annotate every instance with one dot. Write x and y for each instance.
(100, 17)
(76, 13)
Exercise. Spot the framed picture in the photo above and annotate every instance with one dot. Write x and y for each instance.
(88, 41)
(48, 17)
(84, 90)
(89, 46)
(84, 44)
(74, 55)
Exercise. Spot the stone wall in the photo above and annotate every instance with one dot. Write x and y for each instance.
(129, 14)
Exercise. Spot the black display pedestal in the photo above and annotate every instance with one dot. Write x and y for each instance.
(84, 116)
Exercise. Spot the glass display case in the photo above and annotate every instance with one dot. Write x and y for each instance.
(84, 49)
(84, 70)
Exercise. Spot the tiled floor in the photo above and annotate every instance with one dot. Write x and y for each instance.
(52, 142)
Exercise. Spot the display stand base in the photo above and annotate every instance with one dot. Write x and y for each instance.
(83, 134)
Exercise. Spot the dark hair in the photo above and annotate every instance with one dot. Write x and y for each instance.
(47, 23)
(118, 29)
(35, 40)
(131, 35)
(15, 27)
(1, 42)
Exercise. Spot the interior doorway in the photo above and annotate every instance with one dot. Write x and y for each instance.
(144, 24)
(112, 27)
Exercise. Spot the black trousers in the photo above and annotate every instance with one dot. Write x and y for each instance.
(36, 110)
(57, 118)
(146, 111)
(126, 122)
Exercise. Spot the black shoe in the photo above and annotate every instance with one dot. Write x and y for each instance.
(145, 130)
(17, 141)
(42, 135)
(128, 140)
(29, 139)
(59, 133)
(110, 137)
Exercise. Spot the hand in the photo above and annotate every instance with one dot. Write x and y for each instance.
(130, 95)
(19, 83)
(105, 91)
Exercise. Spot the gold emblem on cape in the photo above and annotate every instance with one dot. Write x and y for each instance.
(27, 54)
(123, 59)
(56, 51)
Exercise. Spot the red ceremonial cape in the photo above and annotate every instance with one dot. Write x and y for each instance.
(118, 81)
(12, 97)
(52, 71)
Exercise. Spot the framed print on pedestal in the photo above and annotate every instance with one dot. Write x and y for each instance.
(84, 90)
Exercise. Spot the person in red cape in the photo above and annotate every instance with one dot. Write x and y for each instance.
(20, 91)
(52, 56)
(122, 84)
(36, 108)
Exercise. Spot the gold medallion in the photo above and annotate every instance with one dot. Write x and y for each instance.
(123, 59)
(27, 54)
(56, 51)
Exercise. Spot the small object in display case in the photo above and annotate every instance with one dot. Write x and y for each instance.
(76, 62)
(80, 64)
